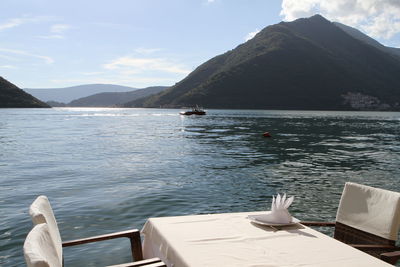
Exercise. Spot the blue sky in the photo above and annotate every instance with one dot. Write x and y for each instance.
(140, 43)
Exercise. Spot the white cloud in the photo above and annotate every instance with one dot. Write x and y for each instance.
(138, 71)
(251, 35)
(11, 23)
(142, 50)
(46, 59)
(384, 27)
(56, 31)
(54, 36)
(209, 2)
(15, 22)
(139, 65)
(7, 67)
(59, 28)
(378, 18)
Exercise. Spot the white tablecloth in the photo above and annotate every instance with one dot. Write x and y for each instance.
(230, 239)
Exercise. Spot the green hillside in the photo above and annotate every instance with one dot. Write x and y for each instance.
(13, 97)
(305, 64)
(109, 99)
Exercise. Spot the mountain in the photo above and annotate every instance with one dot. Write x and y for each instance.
(109, 99)
(56, 104)
(13, 97)
(309, 63)
(365, 38)
(68, 94)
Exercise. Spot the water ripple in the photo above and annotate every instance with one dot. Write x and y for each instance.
(108, 170)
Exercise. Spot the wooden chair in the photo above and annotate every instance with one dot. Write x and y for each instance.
(42, 213)
(40, 251)
(368, 219)
(39, 248)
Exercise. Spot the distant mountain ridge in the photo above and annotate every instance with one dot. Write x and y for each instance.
(13, 97)
(110, 99)
(309, 63)
(365, 38)
(67, 94)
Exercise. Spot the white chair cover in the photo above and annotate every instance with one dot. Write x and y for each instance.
(373, 210)
(41, 212)
(39, 249)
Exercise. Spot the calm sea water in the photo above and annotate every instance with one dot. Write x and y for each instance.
(108, 170)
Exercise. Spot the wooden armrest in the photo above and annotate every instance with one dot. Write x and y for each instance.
(133, 235)
(372, 247)
(391, 257)
(128, 234)
(310, 223)
(153, 262)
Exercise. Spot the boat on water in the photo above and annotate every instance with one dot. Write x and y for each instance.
(195, 111)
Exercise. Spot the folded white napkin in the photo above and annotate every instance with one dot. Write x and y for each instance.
(279, 212)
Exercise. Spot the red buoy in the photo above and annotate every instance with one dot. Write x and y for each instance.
(267, 134)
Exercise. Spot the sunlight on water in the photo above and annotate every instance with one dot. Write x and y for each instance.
(107, 169)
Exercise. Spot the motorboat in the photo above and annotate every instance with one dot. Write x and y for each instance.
(195, 111)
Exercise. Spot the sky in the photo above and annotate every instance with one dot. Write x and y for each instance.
(140, 43)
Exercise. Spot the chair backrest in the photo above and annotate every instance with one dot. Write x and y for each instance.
(369, 209)
(41, 212)
(39, 249)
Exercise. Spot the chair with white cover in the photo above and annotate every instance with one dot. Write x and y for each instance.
(39, 248)
(42, 213)
(368, 219)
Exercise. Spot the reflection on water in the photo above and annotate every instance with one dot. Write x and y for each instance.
(108, 170)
